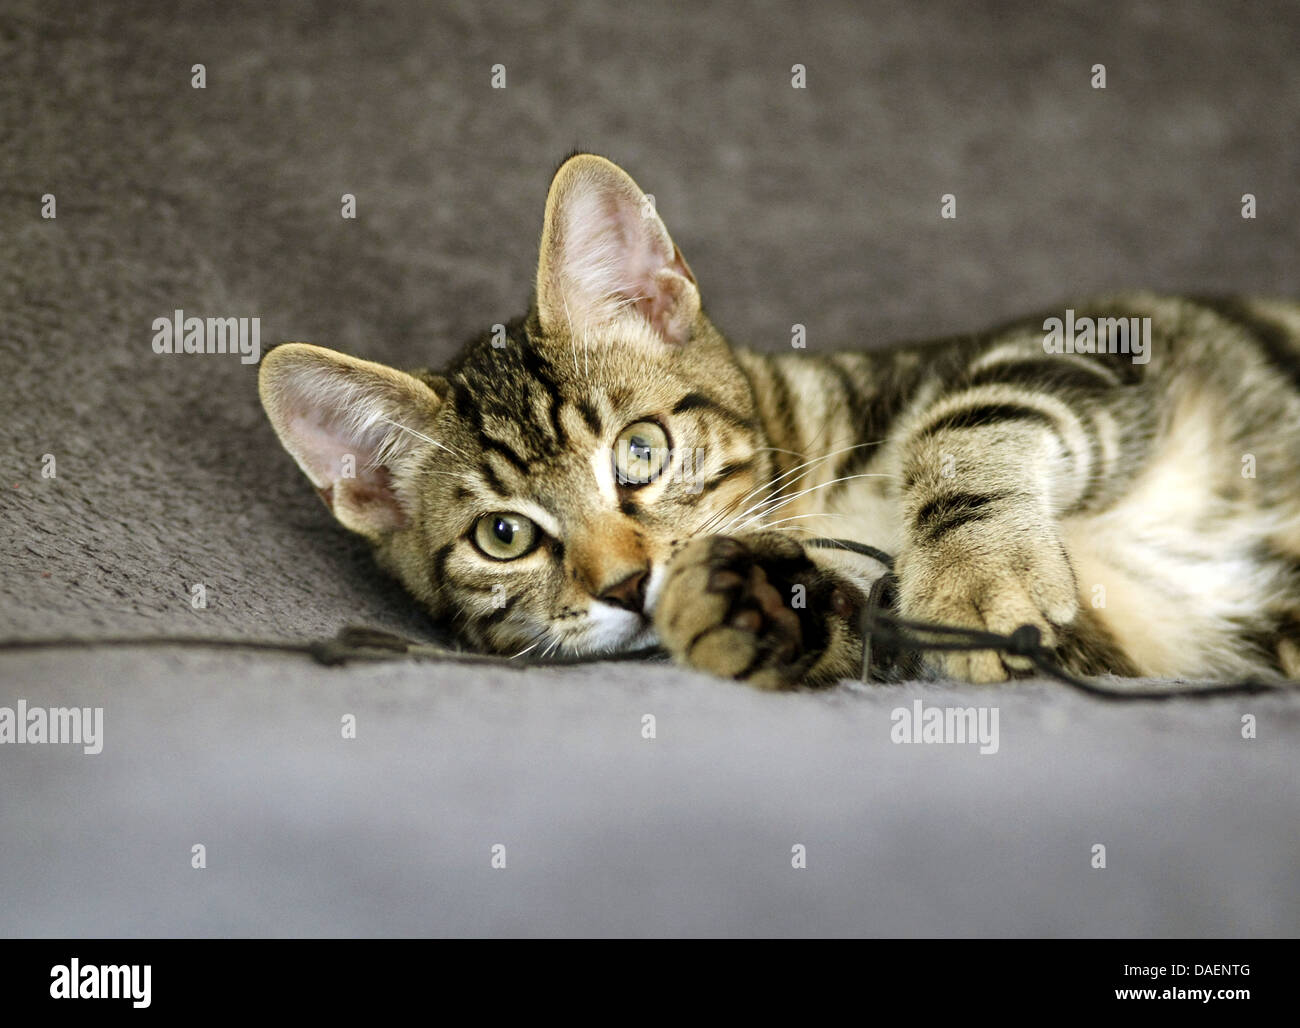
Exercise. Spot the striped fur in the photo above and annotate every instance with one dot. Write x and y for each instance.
(1145, 516)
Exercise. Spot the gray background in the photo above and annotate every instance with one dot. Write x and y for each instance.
(818, 206)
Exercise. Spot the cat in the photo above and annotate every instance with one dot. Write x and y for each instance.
(608, 472)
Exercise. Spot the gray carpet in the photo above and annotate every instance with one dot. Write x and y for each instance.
(818, 206)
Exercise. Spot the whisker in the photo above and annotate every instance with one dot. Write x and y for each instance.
(781, 502)
(421, 435)
(768, 485)
(770, 495)
(573, 339)
(796, 517)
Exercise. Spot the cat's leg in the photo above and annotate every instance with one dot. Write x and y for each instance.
(764, 609)
(986, 475)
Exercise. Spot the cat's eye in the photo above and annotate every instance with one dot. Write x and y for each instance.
(640, 453)
(505, 536)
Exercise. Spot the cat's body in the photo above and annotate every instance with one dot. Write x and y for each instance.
(613, 472)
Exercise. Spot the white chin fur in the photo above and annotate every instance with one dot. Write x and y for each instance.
(610, 630)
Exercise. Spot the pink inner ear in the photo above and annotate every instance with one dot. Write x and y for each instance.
(616, 252)
(371, 493)
(641, 252)
(662, 304)
(321, 448)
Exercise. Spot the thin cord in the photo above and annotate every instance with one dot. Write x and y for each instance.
(886, 637)
(353, 642)
(880, 624)
(853, 547)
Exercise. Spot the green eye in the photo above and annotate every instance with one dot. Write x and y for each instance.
(504, 536)
(640, 453)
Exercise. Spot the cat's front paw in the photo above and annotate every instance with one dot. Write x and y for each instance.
(995, 589)
(728, 607)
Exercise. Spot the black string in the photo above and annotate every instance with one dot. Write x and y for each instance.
(890, 644)
(352, 643)
(853, 547)
(888, 639)
(879, 625)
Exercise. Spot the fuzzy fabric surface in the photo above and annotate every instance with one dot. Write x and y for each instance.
(817, 206)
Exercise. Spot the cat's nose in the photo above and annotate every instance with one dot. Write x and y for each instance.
(628, 593)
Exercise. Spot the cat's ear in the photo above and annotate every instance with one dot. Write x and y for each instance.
(606, 255)
(354, 428)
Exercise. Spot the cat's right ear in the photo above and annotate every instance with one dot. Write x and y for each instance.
(354, 427)
(607, 257)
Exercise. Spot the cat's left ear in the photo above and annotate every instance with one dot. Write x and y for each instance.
(606, 256)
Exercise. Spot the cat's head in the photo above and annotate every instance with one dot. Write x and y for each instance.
(534, 492)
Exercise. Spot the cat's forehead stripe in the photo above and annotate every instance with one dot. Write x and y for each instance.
(492, 479)
(696, 401)
(590, 415)
(513, 457)
(512, 397)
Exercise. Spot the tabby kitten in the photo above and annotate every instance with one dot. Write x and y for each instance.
(611, 472)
